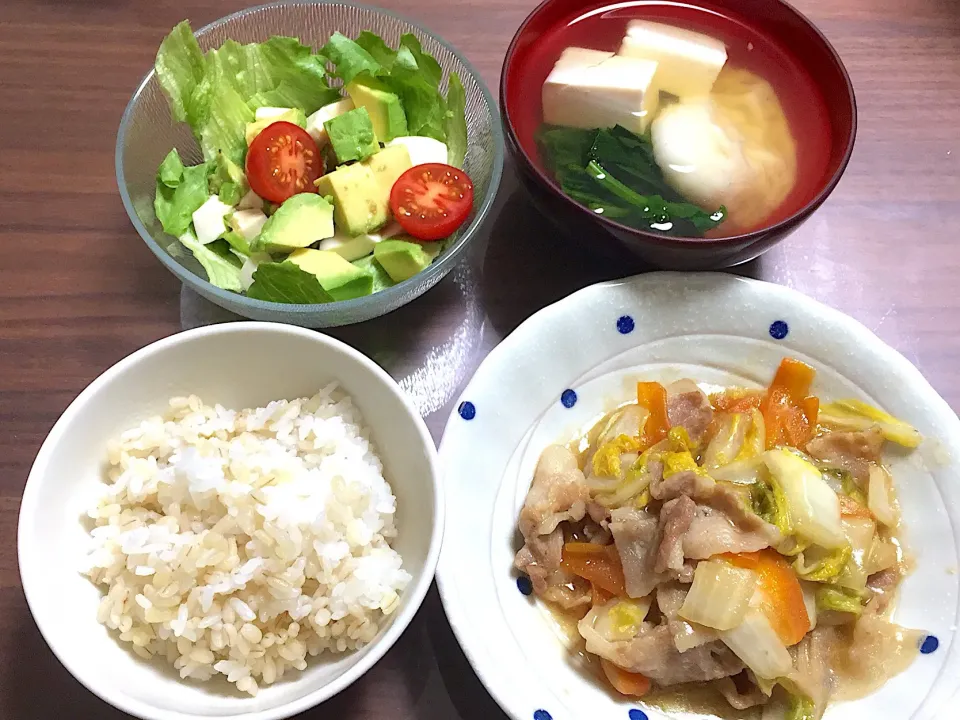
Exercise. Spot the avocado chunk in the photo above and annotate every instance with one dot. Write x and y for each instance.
(300, 221)
(402, 260)
(293, 115)
(360, 206)
(351, 135)
(381, 280)
(340, 279)
(388, 165)
(386, 112)
(432, 249)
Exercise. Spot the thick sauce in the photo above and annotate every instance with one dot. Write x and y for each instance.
(858, 668)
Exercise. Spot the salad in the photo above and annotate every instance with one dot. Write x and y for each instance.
(309, 193)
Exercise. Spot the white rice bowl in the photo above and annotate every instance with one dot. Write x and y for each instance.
(237, 544)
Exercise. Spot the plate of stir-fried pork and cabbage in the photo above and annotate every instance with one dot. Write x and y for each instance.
(763, 528)
(745, 539)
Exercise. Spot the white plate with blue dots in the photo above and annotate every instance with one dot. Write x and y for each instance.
(572, 362)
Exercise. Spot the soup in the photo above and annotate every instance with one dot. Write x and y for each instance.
(674, 119)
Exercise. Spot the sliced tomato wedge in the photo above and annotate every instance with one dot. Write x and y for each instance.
(431, 201)
(283, 160)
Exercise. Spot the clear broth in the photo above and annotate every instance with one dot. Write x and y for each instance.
(602, 28)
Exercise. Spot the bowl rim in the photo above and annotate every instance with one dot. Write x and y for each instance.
(781, 227)
(414, 595)
(394, 295)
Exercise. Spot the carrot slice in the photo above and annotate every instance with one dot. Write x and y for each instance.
(598, 595)
(789, 412)
(795, 377)
(600, 564)
(736, 401)
(779, 593)
(653, 397)
(625, 683)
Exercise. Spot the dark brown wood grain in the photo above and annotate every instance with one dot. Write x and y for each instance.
(79, 289)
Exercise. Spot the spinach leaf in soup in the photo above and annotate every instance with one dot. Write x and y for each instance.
(613, 172)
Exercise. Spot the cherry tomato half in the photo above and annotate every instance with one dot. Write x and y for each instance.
(431, 201)
(283, 160)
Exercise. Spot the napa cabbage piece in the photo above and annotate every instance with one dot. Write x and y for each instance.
(625, 421)
(719, 596)
(757, 644)
(770, 503)
(838, 599)
(620, 618)
(813, 506)
(818, 565)
(880, 499)
(728, 441)
(606, 461)
(882, 556)
(857, 415)
(800, 707)
(747, 471)
(860, 533)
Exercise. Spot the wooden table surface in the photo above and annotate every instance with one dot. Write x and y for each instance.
(79, 290)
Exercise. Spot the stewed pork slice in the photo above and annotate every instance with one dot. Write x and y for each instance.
(675, 518)
(740, 691)
(635, 533)
(850, 451)
(557, 494)
(722, 522)
(639, 537)
(653, 653)
(688, 407)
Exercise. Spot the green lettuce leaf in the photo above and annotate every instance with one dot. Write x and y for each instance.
(230, 193)
(174, 206)
(224, 130)
(427, 64)
(179, 67)
(377, 48)
(350, 58)
(223, 270)
(419, 93)
(284, 282)
(455, 122)
(171, 169)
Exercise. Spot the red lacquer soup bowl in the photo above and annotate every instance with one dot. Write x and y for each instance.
(767, 37)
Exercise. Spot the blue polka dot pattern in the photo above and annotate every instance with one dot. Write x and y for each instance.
(929, 644)
(542, 715)
(467, 410)
(779, 329)
(625, 324)
(569, 398)
(636, 714)
(524, 585)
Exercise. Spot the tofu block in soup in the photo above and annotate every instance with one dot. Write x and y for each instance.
(739, 544)
(675, 120)
(301, 180)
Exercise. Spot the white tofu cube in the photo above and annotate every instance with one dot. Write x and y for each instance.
(248, 223)
(208, 219)
(585, 90)
(327, 112)
(422, 150)
(250, 201)
(268, 113)
(687, 62)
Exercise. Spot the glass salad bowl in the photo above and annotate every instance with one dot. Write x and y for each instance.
(148, 131)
